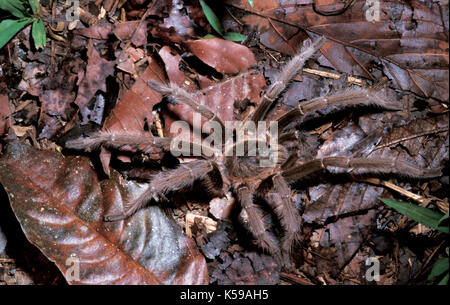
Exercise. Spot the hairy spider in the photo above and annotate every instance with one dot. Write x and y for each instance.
(222, 170)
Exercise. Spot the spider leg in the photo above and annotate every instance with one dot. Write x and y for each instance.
(253, 218)
(280, 200)
(116, 140)
(360, 166)
(162, 183)
(288, 72)
(179, 95)
(352, 97)
(139, 141)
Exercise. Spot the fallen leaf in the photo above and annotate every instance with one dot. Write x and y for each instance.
(409, 40)
(5, 114)
(134, 109)
(98, 31)
(223, 55)
(247, 268)
(178, 21)
(346, 235)
(61, 209)
(94, 79)
(218, 97)
(127, 30)
(332, 200)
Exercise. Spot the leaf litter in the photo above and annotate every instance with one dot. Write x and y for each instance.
(345, 223)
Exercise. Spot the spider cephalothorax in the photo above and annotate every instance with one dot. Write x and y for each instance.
(255, 164)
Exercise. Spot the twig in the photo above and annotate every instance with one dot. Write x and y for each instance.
(147, 12)
(344, 43)
(442, 205)
(158, 124)
(280, 34)
(428, 260)
(350, 79)
(294, 279)
(417, 135)
(234, 18)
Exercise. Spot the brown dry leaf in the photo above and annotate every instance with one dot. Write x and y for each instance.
(410, 41)
(336, 200)
(127, 58)
(177, 20)
(244, 268)
(127, 30)
(94, 79)
(346, 235)
(134, 109)
(223, 55)
(332, 200)
(135, 106)
(58, 91)
(98, 31)
(219, 97)
(5, 114)
(61, 208)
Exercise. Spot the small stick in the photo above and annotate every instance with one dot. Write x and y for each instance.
(428, 259)
(158, 124)
(87, 17)
(326, 74)
(442, 205)
(294, 279)
(417, 135)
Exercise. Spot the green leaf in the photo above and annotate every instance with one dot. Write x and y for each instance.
(233, 36)
(422, 215)
(251, 3)
(440, 267)
(445, 217)
(9, 28)
(38, 33)
(34, 6)
(212, 18)
(207, 36)
(15, 7)
(444, 281)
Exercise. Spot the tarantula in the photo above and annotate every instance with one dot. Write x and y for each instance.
(222, 170)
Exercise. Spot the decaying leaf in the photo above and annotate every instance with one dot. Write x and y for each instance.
(94, 79)
(332, 200)
(5, 113)
(408, 40)
(219, 97)
(248, 268)
(61, 208)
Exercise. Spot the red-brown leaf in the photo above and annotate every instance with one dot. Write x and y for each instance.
(5, 114)
(410, 41)
(61, 208)
(219, 97)
(94, 79)
(223, 55)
